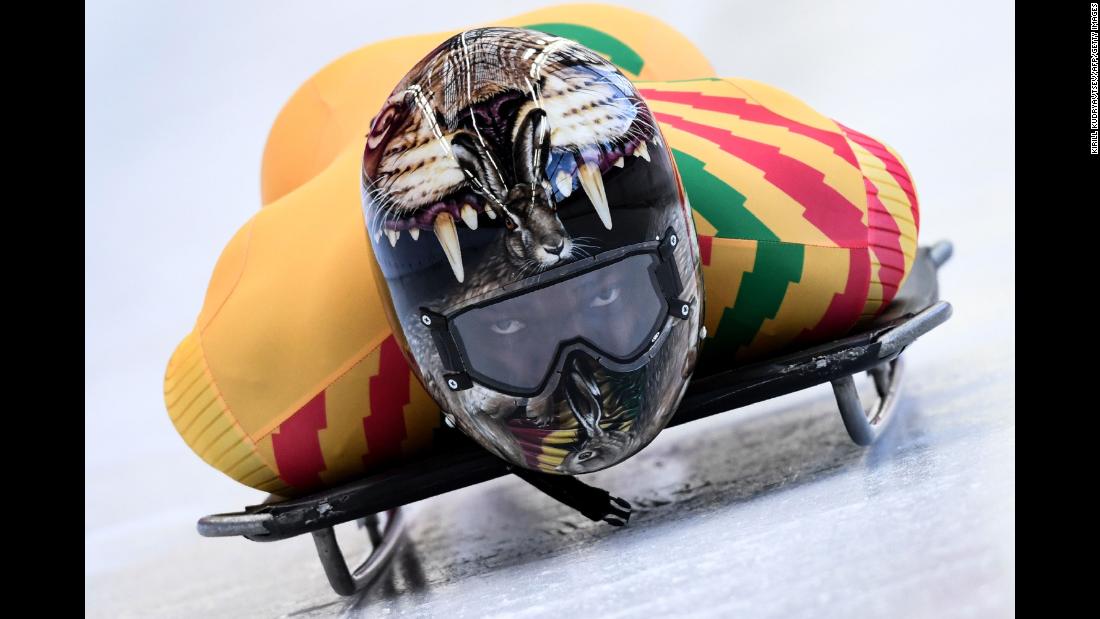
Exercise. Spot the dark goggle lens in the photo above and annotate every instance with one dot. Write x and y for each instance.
(615, 309)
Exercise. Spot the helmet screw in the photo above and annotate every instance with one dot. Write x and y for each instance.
(655, 336)
(672, 240)
(449, 419)
(452, 383)
(703, 333)
(684, 309)
(426, 319)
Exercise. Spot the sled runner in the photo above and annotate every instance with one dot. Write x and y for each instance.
(376, 500)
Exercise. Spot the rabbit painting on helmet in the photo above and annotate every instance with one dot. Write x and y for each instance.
(532, 236)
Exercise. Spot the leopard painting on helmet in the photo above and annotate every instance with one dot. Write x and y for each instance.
(536, 248)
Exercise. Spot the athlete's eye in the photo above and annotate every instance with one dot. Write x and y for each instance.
(607, 297)
(507, 327)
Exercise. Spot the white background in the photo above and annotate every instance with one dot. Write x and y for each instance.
(766, 511)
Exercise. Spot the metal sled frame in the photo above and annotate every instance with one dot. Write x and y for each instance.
(915, 311)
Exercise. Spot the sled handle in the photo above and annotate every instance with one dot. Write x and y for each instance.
(864, 427)
(228, 525)
(384, 546)
(895, 340)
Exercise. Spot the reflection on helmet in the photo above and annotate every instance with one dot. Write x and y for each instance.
(524, 214)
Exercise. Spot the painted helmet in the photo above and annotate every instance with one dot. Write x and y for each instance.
(532, 238)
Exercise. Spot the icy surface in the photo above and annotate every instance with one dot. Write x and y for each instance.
(764, 511)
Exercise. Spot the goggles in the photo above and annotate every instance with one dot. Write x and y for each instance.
(616, 306)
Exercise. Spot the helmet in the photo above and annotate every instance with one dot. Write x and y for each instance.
(531, 235)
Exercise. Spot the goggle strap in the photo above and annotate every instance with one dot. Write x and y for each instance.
(678, 308)
(458, 381)
(667, 275)
(444, 342)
